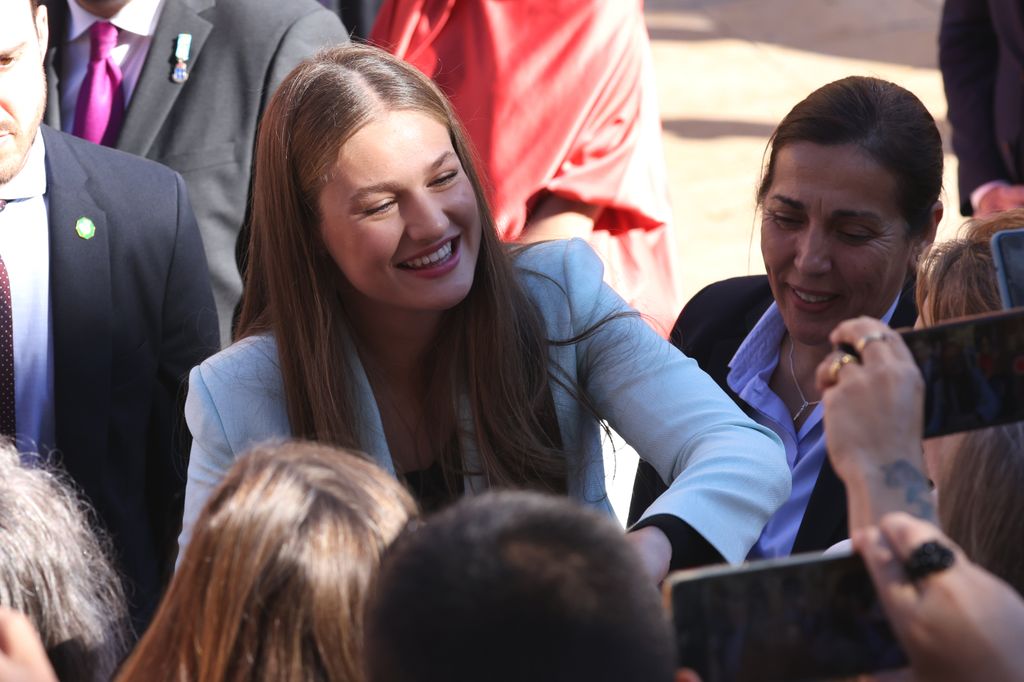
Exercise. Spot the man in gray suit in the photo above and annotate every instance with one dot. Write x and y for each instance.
(195, 76)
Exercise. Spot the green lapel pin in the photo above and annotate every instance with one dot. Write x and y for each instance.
(85, 228)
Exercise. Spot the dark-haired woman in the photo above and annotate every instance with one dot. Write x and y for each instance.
(382, 313)
(848, 201)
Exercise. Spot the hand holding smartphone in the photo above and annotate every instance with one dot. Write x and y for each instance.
(973, 370)
(805, 617)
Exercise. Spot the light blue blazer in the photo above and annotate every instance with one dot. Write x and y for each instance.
(729, 473)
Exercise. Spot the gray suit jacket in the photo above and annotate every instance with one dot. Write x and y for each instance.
(205, 128)
(728, 473)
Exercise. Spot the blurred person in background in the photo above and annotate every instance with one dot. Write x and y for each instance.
(981, 56)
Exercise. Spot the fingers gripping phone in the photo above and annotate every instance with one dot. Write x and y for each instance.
(805, 617)
(973, 370)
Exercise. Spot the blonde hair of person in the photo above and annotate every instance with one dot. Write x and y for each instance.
(980, 492)
(56, 569)
(272, 585)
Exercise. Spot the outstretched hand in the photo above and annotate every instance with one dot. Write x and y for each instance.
(654, 549)
(1000, 198)
(957, 624)
(874, 410)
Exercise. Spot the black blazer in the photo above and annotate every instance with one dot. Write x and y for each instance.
(981, 55)
(710, 330)
(132, 314)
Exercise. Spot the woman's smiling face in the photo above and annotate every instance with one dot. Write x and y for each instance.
(834, 243)
(400, 219)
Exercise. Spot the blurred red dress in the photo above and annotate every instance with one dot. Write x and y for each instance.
(557, 96)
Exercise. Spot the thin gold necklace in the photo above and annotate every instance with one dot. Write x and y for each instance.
(805, 402)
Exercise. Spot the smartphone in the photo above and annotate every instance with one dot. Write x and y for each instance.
(1008, 255)
(973, 371)
(804, 617)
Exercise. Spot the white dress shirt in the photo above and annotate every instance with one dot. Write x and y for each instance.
(25, 248)
(136, 21)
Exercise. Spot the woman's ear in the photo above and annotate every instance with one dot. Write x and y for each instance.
(937, 213)
(923, 242)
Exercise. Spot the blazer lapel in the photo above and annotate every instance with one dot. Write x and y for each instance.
(824, 522)
(80, 299)
(155, 92)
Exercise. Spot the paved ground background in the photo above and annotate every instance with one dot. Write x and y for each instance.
(728, 71)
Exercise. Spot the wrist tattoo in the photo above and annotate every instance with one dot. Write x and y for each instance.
(917, 488)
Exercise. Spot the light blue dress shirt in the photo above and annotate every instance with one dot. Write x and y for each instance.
(750, 372)
(25, 248)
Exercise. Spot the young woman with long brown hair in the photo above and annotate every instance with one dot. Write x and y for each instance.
(381, 312)
(273, 583)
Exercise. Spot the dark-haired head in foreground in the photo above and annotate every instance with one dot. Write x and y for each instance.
(515, 586)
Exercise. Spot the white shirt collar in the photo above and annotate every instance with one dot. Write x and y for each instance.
(138, 17)
(31, 179)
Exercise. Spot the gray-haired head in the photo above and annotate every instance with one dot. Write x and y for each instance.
(55, 569)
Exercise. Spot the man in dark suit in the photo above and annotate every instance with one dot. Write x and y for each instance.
(107, 299)
(197, 75)
(981, 55)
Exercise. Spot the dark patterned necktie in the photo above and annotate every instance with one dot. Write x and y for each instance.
(6, 351)
(6, 355)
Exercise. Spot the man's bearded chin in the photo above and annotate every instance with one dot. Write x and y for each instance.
(11, 165)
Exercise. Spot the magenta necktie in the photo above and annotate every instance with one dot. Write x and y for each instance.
(100, 105)
(6, 354)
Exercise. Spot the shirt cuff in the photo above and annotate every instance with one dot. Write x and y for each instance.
(689, 548)
(980, 192)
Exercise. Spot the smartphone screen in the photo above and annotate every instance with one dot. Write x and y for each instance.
(805, 617)
(1008, 255)
(973, 372)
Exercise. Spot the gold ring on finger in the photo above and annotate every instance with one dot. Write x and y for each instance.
(837, 364)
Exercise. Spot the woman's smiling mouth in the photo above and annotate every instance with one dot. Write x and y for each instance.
(436, 263)
(808, 297)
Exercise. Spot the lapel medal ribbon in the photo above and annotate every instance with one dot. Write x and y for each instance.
(182, 50)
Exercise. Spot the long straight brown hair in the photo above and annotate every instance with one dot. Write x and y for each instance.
(491, 347)
(272, 585)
